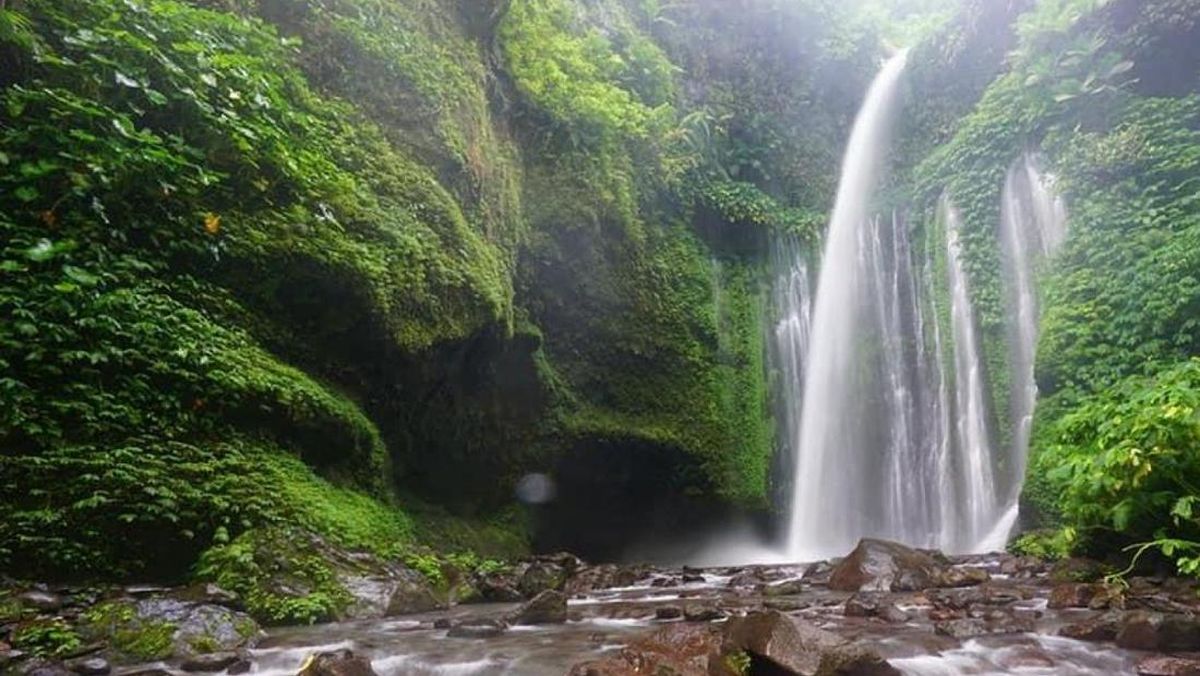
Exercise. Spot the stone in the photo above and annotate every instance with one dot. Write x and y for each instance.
(894, 614)
(880, 565)
(677, 649)
(1071, 595)
(693, 577)
(478, 629)
(1077, 569)
(240, 666)
(548, 607)
(210, 662)
(410, 593)
(442, 623)
(89, 666)
(819, 572)
(668, 613)
(698, 613)
(862, 604)
(337, 663)
(1179, 633)
(207, 592)
(963, 576)
(1163, 665)
(41, 601)
(785, 588)
(972, 627)
(541, 576)
(43, 667)
(796, 647)
(787, 605)
(1139, 631)
(1022, 566)
(1099, 628)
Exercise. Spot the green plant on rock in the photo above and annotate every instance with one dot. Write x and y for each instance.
(46, 638)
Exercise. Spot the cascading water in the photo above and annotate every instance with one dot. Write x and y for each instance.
(885, 441)
(977, 500)
(830, 503)
(1033, 222)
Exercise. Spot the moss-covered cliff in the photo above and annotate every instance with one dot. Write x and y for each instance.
(354, 263)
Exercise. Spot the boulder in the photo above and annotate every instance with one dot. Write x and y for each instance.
(785, 588)
(796, 647)
(481, 628)
(703, 613)
(879, 565)
(337, 663)
(894, 614)
(1139, 631)
(862, 604)
(540, 576)
(410, 593)
(548, 607)
(1163, 665)
(1099, 628)
(984, 626)
(963, 576)
(1072, 595)
(144, 630)
(676, 649)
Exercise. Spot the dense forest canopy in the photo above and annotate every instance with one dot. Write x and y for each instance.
(351, 270)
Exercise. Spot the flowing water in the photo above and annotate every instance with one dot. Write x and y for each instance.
(886, 413)
(832, 466)
(1032, 225)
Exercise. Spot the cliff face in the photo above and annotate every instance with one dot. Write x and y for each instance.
(272, 261)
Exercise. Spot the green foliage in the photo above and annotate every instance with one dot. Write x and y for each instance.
(279, 579)
(1124, 460)
(1048, 545)
(46, 638)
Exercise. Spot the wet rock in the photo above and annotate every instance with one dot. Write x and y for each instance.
(963, 576)
(984, 626)
(796, 647)
(240, 666)
(540, 576)
(706, 613)
(862, 604)
(750, 578)
(499, 587)
(676, 649)
(1071, 595)
(894, 614)
(665, 582)
(159, 628)
(41, 601)
(483, 628)
(43, 667)
(337, 663)
(1139, 630)
(210, 662)
(692, 577)
(879, 565)
(1162, 665)
(819, 572)
(410, 593)
(1023, 566)
(1077, 569)
(785, 588)
(1099, 628)
(606, 576)
(207, 592)
(89, 666)
(548, 607)
(668, 613)
(442, 623)
(956, 599)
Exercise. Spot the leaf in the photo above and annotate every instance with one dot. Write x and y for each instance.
(80, 276)
(1123, 67)
(126, 81)
(26, 193)
(40, 252)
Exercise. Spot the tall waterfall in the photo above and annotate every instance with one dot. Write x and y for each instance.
(887, 414)
(832, 466)
(1032, 225)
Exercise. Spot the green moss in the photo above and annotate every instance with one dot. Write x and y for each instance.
(133, 639)
(46, 638)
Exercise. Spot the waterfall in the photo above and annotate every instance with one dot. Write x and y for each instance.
(1032, 226)
(833, 467)
(793, 308)
(977, 501)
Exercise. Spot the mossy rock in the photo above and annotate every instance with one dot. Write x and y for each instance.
(147, 630)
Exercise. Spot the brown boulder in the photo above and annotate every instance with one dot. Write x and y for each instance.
(1100, 628)
(548, 607)
(879, 565)
(1072, 595)
(1162, 665)
(337, 663)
